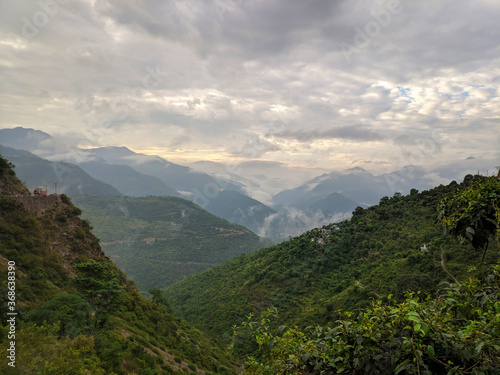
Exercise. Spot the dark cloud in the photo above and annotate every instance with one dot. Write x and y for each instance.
(358, 132)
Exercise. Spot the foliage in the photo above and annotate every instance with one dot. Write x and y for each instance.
(456, 333)
(390, 248)
(472, 213)
(70, 311)
(9, 184)
(6, 167)
(158, 297)
(39, 350)
(98, 282)
(77, 312)
(160, 240)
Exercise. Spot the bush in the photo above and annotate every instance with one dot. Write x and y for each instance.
(456, 333)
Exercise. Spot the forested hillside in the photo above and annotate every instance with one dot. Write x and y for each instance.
(453, 331)
(389, 248)
(73, 311)
(160, 240)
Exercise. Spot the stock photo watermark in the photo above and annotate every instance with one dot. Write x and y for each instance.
(372, 29)
(11, 313)
(33, 25)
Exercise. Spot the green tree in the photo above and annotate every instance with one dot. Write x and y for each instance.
(70, 311)
(40, 351)
(98, 282)
(158, 297)
(458, 333)
(472, 214)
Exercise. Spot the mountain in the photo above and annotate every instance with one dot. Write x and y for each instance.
(24, 138)
(332, 204)
(388, 248)
(70, 179)
(70, 310)
(356, 184)
(239, 208)
(199, 187)
(127, 180)
(160, 240)
(261, 179)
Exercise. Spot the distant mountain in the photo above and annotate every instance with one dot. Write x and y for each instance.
(24, 138)
(196, 186)
(239, 208)
(160, 240)
(333, 204)
(71, 179)
(356, 184)
(127, 180)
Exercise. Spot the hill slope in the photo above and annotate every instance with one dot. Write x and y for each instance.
(76, 311)
(127, 180)
(71, 179)
(160, 240)
(239, 208)
(388, 248)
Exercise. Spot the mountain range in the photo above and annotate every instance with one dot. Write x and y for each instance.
(231, 192)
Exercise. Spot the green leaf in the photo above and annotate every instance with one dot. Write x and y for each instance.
(477, 349)
(417, 327)
(431, 351)
(403, 366)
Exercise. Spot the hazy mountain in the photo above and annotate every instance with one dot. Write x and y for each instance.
(356, 184)
(334, 203)
(24, 138)
(193, 185)
(262, 179)
(71, 179)
(239, 208)
(127, 180)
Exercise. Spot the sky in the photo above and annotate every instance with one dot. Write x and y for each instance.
(319, 84)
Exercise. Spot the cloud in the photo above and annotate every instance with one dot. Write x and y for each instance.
(356, 132)
(255, 79)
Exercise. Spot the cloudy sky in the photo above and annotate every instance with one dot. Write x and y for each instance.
(321, 84)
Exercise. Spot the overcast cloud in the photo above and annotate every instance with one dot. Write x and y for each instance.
(321, 83)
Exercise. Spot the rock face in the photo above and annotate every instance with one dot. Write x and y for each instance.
(38, 205)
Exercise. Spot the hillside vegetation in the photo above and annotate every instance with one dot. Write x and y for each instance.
(77, 313)
(160, 240)
(389, 248)
(456, 331)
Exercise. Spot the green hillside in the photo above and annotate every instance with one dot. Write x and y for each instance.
(72, 310)
(160, 240)
(391, 247)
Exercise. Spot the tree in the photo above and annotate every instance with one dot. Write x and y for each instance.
(458, 333)
(99, 283)
(70, 311)
(158, 297)
(472, 215)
